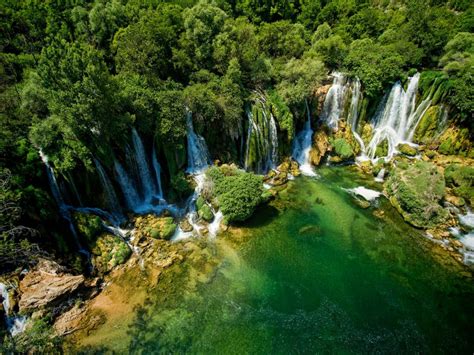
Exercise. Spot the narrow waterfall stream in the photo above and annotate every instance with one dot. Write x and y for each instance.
(64, 209)
(302, 146)
(334, 102)
(198, 162)
(112, 199)
(261, 153)
(146, 181)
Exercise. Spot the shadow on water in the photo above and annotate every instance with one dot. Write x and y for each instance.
(263, 216)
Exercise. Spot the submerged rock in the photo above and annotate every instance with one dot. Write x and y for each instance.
(416, 191)
(45, 284)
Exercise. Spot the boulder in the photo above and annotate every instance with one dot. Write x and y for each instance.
(205, 212)
(185, 226)
(407, 149)
(108, 252)
(455, 200)
(151, 226)
(416, 190)
(46, 284)
(70, 321)
(320, 147)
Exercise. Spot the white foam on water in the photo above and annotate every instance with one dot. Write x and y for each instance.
(366, 193)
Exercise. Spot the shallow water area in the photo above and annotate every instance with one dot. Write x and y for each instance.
(311, 272)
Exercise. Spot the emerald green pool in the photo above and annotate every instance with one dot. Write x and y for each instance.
(314, 273)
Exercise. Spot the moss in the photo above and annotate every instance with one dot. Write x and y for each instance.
(428, 125)
(416, 192)
(461, 179)
(108, 252)
(407, 150)
(205, 213)
(151, 226)
(200, 202)
(342, 148)
(382, 149)
(88, 225)
(455, 141)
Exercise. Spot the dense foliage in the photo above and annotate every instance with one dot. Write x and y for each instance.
(236, 192)
(77, 75)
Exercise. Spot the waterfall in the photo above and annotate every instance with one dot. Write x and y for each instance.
(334, 102)
(143, 169)
(128, 189)
(380, 176)
(157, 169)
(397, 121)
(112, 200)
(354, 108)
(261, 153)
(64, 209)
(15, 324)
(198, 154)
(273, 158)
(302, 146)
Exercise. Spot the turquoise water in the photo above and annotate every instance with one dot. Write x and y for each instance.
(313, 273)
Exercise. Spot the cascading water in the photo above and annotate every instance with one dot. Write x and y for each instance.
(333, 107)
(198, 163)
(15, 324)
(157, 169)
(112, 200)
(64, 209)
(397, 122)
(261, 153)
(128, 189)
(198, 154)
(302, 146)
(143, 169)
(353, 117)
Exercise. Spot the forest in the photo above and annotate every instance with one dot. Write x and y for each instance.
(85, 83)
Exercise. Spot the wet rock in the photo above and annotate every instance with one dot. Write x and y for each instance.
(108, 252)
(455, 200)
(151, 226)
(320, 147)
(186, 226)
(407, 149)
(205, 212)
(416, 190)
(46, 284)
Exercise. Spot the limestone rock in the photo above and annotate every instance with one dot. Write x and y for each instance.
(407, 150)
(70, 321)
(45, 284)
(320, 147)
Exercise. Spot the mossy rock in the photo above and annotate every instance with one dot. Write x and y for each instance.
(200, 202)
(427, 128)
(108, 252)
(407, 150)
(382, 149)
(342, 148)
(205, 212)
(416, 191)
(461, 179)
(88, 225)
(455, 141)
(151, 226)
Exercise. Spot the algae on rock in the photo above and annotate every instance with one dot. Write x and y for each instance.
(416, 191)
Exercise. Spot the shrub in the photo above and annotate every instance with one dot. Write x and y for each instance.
(238, 195)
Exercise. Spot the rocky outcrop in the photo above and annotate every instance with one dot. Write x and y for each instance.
(108, 252)
(320, 95)
(151, 226)
(45, 284)
(320, 147)
(416, 190)
(407, 150)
